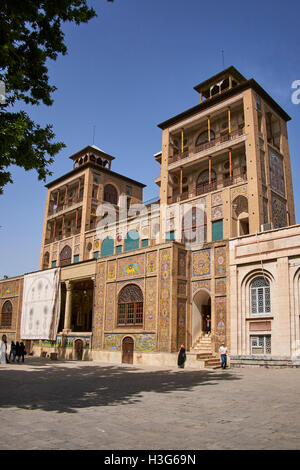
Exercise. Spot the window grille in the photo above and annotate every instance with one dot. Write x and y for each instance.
(260, 299)
(260, 344)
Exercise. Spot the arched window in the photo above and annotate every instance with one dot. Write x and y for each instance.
(132, 240)
(6, 315)
(107, 247)
(260, 302)
(240, 220)
(110, 194)
(130, 306)
(203, 137)
(65, 256)
(203, 185)
(46, 260)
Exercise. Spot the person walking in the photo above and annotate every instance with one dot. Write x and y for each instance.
(18, 351)
(12, 351)
(3, 348)
(181, 357)
(223, 355)
(22, 350)
(208, 323)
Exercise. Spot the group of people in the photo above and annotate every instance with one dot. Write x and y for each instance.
(17, 350)
(222, 350)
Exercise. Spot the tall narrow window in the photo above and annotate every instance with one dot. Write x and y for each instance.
(260, 302)
(217, 230)
(6, 315)
(65, 256)
(110, 194)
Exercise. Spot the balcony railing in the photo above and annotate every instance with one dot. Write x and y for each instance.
(205, 187)
(219, 139)
(62, 206)
(61, 235)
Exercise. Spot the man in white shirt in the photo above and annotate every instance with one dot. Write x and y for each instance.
(223, 354)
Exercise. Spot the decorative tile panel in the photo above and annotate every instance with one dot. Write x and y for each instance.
(201, 263)
(131, 266)
(181, 263)
(220, 331)
(110, 306)
(278, 212)
(181, 322)
(240, 191)
(197, 285)
(150, 303)
(165, 300)
(216, 199)
(276, 172)
(220, 288)
(220, 261)
(151, 262)
(111, 270)
(98, 315)
(217, 213)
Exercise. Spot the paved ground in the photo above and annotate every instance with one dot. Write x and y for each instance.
(89, 405)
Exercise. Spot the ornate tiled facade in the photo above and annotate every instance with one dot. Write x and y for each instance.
(278, 211)
(201, 263)
(165, 301)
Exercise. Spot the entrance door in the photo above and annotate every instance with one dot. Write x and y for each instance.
(127, 350)
(206, 312)
(78, 349)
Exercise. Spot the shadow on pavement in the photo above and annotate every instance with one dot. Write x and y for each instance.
(63, 388)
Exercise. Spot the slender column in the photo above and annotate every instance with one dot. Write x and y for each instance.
(229, 120)
(180, 180)
(209, 169)
(181, 140)
(208, 128)
(68, 307)
(78, 189)
(54, 229)
(76, 220)
(63, 226)
(66, 195)
(230, 163)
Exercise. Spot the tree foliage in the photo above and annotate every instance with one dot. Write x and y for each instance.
(30, 34)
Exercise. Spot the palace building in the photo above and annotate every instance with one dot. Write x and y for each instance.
(215, 258)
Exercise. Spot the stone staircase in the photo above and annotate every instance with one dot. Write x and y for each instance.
(202, 348)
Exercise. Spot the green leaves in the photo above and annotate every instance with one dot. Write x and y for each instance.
(30, 33)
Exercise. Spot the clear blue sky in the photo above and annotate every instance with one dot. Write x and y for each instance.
(135, 66)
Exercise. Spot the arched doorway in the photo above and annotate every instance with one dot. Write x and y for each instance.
(127, 350)
(78, 349)
(200, 313)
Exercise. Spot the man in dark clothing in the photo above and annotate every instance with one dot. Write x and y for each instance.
(181, 357)
(22, 351)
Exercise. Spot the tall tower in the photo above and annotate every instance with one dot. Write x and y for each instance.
(229, 156)
(70, 217)
(231, 151)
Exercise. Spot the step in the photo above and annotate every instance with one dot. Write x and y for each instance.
(205, 356)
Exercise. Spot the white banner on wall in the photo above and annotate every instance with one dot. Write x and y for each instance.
(41, 305)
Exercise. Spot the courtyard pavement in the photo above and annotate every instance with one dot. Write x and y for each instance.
(92, 405)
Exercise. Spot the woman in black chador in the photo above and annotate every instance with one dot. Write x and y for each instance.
(181, 357)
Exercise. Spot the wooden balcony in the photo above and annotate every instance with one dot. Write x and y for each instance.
(222, 138)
